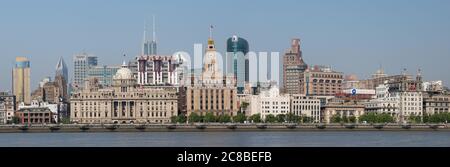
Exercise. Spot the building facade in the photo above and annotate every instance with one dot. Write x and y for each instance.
(38, 107)
(305, 106)
(104, 74)
(35, 115)
(342, 108)
(124, 102)
(21, 80)
(158, 70)
(81, 64)
(270, 102)
(400, 99)
(237, 61)
(293, 66)
(436, 103)
(211, 92)
(321, 81)
(7, 107)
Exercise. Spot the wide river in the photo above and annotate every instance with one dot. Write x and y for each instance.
(230, 139)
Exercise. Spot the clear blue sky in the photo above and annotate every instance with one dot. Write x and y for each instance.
(353, 36)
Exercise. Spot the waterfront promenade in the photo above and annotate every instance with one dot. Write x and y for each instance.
(217, 127)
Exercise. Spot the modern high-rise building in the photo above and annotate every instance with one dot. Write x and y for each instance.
(104, 74)
(61, 70)
(149, 47)
(293, 65)
(152, 69)
(237, 61)
(21, 80)
(62, 79)
(81, 64)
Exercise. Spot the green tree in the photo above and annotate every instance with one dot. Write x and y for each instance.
(426, 118)
(65, 120)
(270, 118)
(304, 119)
(368, 117)
(209, 117)
(173, 119)
(256, 118)
(384, 118)
(292, 118)
(15, 120)
(240, 118)
(181, 118)
(344, 119)
(194, 117)
(281, 118)
(244, 106)
(415, 119)
(336, 119)
(224, 119)
(438, 118)
(352, 119)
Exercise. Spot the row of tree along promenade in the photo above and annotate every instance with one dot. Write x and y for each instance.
(291, 118)
(240, 122)
(221, 127)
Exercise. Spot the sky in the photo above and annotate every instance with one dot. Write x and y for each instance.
(351, 36)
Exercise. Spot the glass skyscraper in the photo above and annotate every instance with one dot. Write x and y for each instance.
(237, 62)
(82, 63)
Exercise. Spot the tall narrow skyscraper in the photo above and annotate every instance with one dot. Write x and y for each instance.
(149, 47)
(61, 69)
(293, 66)
(237, 62)
(21, 80)
(61, 79)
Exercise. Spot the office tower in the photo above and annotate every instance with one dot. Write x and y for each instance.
(104, 74)
(21, 80)
(237, 61)
(61, 69)
(293, 65)
(149, 47)
(62, 77)
(81, 64)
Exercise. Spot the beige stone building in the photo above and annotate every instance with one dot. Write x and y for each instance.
(306, 106)
(124, 102)
(321, 81)
(436, 103)
(342, 108)
(211, 91)
(293, 66)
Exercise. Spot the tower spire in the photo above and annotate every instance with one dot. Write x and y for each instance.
(210, 32)
(144, 38)
(154, 29)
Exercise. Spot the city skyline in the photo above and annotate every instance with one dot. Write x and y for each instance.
(354, 48)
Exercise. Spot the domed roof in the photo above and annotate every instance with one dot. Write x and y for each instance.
(123, 73)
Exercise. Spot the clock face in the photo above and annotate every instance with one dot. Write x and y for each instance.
(235, 38)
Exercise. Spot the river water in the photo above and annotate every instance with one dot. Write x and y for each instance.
(230, 139)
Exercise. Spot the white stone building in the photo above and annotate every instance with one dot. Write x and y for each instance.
(270, 102)
(309, 106)
(400, 104)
